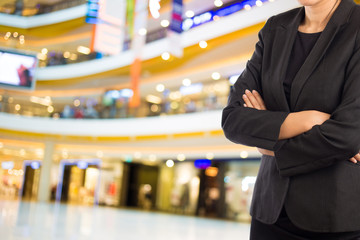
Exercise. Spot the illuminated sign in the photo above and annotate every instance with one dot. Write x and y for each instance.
(7, 165)
(154, 7)
(202, 163)
(35, 165)
(209, 15)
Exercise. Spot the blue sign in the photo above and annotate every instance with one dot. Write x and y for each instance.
(176, 17)
(202, 163)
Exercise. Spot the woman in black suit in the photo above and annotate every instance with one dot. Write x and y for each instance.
(298, 101)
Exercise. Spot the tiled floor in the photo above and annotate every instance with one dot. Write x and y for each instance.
(35, 221)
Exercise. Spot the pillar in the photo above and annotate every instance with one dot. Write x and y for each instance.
(44, 183)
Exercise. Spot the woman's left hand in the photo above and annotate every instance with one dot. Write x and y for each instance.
(254, 100)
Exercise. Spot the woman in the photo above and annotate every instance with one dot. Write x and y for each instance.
(298, 102)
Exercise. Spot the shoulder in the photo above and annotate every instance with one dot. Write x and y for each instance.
(284, 18)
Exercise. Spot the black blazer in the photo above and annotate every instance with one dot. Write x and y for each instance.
(310, 174)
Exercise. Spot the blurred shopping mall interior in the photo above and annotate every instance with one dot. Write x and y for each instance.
(115, 106)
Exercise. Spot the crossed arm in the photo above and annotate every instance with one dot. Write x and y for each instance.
(295, 123)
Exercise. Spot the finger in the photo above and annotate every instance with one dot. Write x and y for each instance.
(353, 160)
(245, 105)
(253, 100)
(247, 101)
(259, 100)
(357, 157)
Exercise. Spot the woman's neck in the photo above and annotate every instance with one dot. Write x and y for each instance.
(318, 15)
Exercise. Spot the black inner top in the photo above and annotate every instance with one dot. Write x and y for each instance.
(303, 45)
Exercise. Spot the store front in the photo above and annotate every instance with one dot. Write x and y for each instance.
(29, 190)
(140, 183)
(240, 177)
(79, 181)
(11, 176)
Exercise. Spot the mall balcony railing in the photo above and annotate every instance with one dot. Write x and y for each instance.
(152, 36)
(40, 8)
(114, 110)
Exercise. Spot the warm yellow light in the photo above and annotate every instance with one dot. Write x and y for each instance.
(73, 56)
(44, 51)
(66, 54)
(76, 102)
(17, 107)
(174, 105)
(153, 99)
(154, 108)
(15, 34)
(41, 56)
(83, 50)
(50, 109)
(211, 171)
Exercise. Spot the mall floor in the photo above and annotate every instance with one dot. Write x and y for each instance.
(40, 221)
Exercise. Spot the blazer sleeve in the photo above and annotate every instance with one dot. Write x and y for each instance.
(247, 126)
(337, 139)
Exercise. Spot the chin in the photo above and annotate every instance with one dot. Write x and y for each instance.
(310, 2)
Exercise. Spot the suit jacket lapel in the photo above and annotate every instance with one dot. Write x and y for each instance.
(283, 45)
(339, 18)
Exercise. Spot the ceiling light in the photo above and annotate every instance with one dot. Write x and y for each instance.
(181, 157)
(244, 154)
(165, 23)
(210, 156)
(186, 82)
(160, 87)
(170, 163)
(165, 56)
(15, 34)
(216, 76)
(203, 44)
(247, 7)
(218, 3)
(259, 3)
(189, 14)
(44, 51)
(83, 50)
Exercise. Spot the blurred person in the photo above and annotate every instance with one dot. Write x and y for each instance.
(68, 112)
(298, 102)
